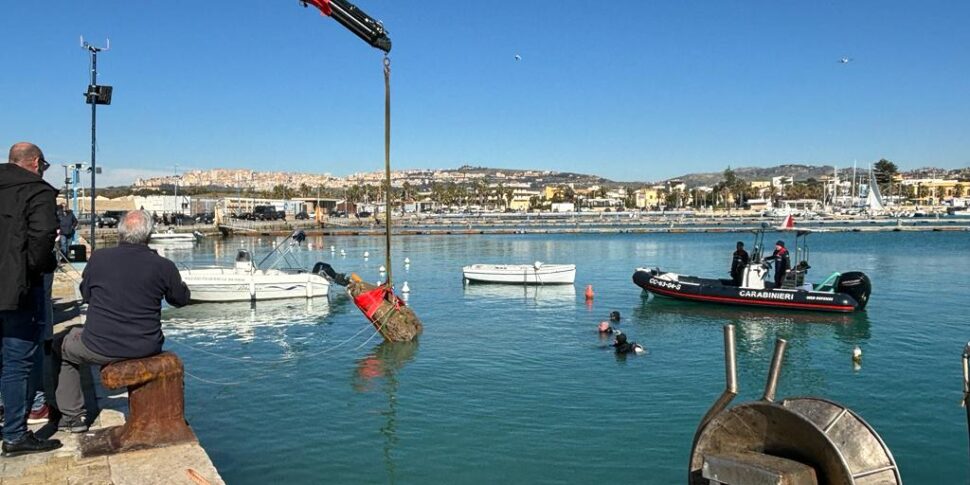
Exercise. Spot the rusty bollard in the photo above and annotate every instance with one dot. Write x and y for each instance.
(156, 405)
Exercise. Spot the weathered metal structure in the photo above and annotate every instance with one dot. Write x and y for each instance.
(156, 405)
(797, 441)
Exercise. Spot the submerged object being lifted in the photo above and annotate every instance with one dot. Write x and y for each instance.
(522, 274)
(389, 314)
(798, 440)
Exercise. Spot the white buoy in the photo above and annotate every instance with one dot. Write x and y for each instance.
(343, 253)
(332, 249)
(405, 288)
(407, 261)
(366, 254)
(857, 355)
(309, 246)
(382, 269)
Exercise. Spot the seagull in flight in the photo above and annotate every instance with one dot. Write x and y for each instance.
(845, 60)
(518, 57)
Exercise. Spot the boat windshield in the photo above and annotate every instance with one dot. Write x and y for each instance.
(829, 284)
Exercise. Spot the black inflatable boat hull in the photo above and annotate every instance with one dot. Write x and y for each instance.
(716, 291)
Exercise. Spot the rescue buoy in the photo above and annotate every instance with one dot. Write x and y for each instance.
(405, 288)
(589, 292)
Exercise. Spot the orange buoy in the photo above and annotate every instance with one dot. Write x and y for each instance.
(589, 292)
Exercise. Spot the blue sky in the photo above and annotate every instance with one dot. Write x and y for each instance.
(631, 90)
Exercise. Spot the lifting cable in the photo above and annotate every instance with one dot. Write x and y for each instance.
(387, 169)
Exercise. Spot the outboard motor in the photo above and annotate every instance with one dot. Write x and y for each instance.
(328, 271)
(857, 285)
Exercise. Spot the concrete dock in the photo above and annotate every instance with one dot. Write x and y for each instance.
(185, 463)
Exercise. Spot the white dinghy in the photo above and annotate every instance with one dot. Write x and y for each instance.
(522, 274)
(245, 281)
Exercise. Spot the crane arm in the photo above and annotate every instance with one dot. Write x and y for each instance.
(355, 20)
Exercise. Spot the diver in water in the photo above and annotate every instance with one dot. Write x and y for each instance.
(614, 316)
(606, 329)
(623, 347)
(738, 262)
(782, 262)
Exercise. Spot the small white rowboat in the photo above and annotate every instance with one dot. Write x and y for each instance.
(522, 274)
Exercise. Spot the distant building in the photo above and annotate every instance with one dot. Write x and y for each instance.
(563, 207)
(649, 197)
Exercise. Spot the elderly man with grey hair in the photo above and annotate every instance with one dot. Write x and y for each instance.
(123, 287)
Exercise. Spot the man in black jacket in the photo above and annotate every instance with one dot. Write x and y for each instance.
(738, 262)
(28, 226)
(123, 287)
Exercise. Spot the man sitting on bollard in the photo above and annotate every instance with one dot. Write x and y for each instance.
(123, 287)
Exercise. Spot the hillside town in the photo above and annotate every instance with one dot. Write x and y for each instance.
(240, 193)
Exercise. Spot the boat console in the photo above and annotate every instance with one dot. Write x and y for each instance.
(244, 262)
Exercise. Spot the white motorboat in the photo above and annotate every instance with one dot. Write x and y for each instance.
(522, 274)
(246, 281)
(175, 237)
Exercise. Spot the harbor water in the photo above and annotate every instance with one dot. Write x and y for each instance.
(514, 384)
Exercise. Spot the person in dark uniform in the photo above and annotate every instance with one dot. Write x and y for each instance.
(782, 262)
(738, 263)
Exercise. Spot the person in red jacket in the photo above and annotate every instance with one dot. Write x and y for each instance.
(782, 262)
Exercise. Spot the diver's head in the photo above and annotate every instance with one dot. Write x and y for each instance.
(604, 327)
(615, 316)
(740, 245)
(621, 338)
(780, 244)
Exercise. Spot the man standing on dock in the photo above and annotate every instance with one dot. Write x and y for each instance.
(123, 287)
(28, 227)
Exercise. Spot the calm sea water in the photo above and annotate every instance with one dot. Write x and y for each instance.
(514, 385)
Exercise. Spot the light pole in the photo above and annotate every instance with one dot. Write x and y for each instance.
(94, 96)
(178, 205)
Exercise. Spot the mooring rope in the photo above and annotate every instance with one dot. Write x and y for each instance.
(273, 361)
(207, 381)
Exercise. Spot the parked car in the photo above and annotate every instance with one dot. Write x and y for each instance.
(338, 214)
(84, 220)
(363, 214)
(301, 216)
(267, 213)
(205, 217)
(108, 221)
(115, 215)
